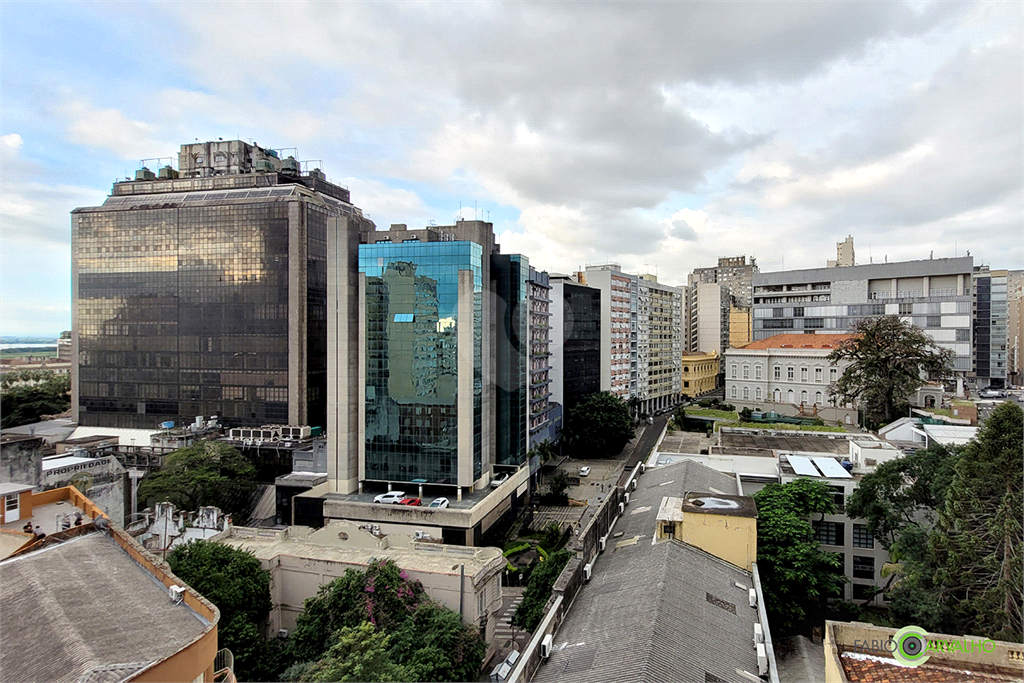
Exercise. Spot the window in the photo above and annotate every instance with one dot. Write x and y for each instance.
(11, 502)
(814, 323)
(863, 567)
(819, 375)
(829, 533)
(746, 393)
(732, 371)
(734, 391)
(778, 372)
(790, 397)
(757, 394)
(862, 538)
(778, 312)
(963, 335)
(803, 397)
(746, 372)
(757, 372)
(798, 312)
(864, 592)
(832, 373)
(906, 309)
(817, 398)
(778, 396)
(935, 321)
(803, 374)
(686, 385)
(838, 498)
(790, 373)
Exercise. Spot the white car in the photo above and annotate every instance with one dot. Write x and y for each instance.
(584, 471)
(392, 497)
(991, 393)
(439, 503)
(499, 480)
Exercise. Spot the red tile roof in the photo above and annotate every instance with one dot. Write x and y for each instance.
(799, 341)
(860, 668)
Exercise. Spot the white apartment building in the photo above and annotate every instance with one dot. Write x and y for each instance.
(618, 327)
(659, 344)
(789, 374)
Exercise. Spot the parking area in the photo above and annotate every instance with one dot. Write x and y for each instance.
(603, 475)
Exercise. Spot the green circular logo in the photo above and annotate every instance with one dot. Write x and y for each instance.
(911, 646)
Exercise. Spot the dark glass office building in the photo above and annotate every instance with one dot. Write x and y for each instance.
(204, 292)
(511, 275)
(581, 347)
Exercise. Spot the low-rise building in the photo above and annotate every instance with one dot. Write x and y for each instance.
(700, 373)
(301, 560)
(88, 603)
(788, 374)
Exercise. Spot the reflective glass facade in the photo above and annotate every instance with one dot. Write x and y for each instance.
(182, 305)
(413, 351)
(511, 274)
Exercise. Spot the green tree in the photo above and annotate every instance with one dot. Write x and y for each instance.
(978, 538)
(207, 473)
(434, 644)
(538, 590)
(237, 584)
(903, 492)
(599, 426)
(793, 568)
(28, 403)
(357, 653)
(887, 360)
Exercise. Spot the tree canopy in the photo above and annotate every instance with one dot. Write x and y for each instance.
(952, 524)
(381, 625)
(599, 426)
(793, 568)
(887, 360)
(27, 403)
(207, 473)
(538, 590)
(237, 584)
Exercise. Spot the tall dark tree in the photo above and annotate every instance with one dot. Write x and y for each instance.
(887, 360)
(207, 473)
(237, 584)
(599, 426)
(979, 537)
(793, 568)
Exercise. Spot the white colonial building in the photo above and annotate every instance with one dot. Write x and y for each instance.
(789, 374)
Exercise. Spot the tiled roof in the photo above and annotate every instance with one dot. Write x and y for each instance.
(84, 610)
(665, 612)
(863, 668)
(799, 341)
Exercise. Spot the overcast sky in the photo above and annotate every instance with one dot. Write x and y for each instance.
(657, 135)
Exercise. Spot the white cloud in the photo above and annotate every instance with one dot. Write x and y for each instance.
(109, 129)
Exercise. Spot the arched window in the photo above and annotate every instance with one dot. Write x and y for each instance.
(803, 397)
(746, 393)
(817, 398)
(734, 391)
(778, 396)
(757, 394)
(789, 396)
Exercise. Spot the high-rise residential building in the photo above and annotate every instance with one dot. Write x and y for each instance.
(844, 254)
(619, 327)
(1015, 326)
(576, 341)
(203, 291)
(659, 344)
(718, 297)
(934, 294)
(544, 414)
(990, 326)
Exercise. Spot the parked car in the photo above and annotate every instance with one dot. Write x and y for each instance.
(585, 471)
(991, 393)
(499, 480)
(410, 501)
(439, 503)
(390, 497)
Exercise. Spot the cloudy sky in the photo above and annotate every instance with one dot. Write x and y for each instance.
(657, 135)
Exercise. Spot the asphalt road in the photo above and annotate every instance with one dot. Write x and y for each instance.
(644, 445)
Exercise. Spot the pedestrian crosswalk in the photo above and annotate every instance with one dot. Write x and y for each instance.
(503, 630)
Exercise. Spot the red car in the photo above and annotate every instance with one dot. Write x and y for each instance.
(410, 501)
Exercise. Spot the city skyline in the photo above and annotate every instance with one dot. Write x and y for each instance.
(658, 137)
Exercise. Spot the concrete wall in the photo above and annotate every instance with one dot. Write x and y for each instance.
(731, 538)
(103, 480)
(20, 460)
